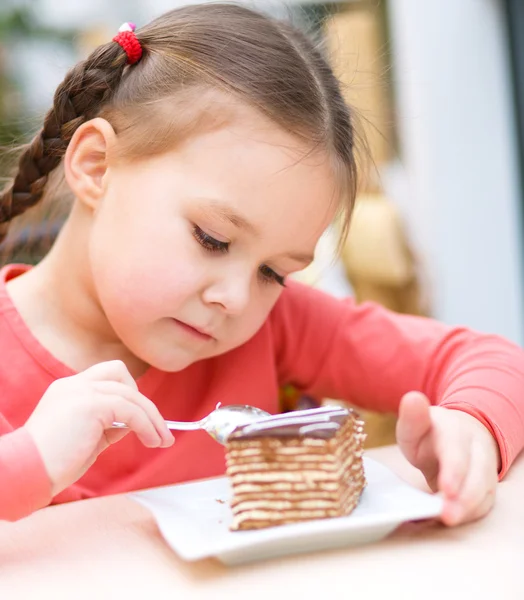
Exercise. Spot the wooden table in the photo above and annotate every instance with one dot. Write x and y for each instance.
(110, 548)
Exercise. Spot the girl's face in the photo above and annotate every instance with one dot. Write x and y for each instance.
(190, 250)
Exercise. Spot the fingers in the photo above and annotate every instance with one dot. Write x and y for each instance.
(113, 378)
(134, 416)
(113, 370)
(112, 436)
(414, 420)
(115, 388)
(483, 508)
(454, 454)
(413, 425)
(476, 495)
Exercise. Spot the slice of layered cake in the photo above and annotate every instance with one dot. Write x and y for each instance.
(295, 467)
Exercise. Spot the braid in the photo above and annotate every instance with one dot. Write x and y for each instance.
(85, 89)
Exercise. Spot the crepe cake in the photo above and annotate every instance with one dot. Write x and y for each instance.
(295, 467)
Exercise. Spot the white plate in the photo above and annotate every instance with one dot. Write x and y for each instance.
(194, 519)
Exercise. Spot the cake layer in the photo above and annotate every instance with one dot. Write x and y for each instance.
(258, 519)
(290, 501)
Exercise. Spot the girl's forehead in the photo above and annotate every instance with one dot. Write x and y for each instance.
(262, 174)
(255, 154)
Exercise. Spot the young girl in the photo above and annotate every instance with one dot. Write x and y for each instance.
(206, 155)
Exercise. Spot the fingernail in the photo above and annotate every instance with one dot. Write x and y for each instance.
(170, 440)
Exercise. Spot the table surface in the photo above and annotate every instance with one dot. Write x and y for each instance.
(110, 548)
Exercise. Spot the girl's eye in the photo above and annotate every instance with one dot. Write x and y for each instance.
(211, 244)
(208, 242)
(269, 276)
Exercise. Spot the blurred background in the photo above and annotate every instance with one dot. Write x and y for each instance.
(439, 85)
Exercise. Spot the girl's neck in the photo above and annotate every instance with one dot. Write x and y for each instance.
(59, 304)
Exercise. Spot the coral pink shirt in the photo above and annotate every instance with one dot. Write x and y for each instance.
(324, 346)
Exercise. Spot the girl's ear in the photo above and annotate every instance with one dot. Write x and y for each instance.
(86, 160)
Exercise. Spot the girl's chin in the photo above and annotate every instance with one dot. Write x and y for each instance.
(171, 362)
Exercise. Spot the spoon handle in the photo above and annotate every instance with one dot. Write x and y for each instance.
(184, 425)
(176, 425)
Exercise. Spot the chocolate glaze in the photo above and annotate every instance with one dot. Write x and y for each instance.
(321, 423)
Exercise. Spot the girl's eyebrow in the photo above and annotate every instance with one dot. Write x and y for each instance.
(303, 258)
(227, 213)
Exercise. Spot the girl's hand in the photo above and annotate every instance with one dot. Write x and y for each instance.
(457, 455)
(71, 424)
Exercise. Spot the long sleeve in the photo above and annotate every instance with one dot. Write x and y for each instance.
(371, 357)
(24, 484)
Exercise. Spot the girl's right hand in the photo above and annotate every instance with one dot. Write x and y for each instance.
(72, 423)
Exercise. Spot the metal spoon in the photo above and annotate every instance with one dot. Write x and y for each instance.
(220, 423)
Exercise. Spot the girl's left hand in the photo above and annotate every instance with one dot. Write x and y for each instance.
(457, 455)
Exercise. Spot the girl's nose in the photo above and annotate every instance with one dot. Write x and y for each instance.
(231, 292)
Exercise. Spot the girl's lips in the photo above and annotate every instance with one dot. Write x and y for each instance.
(198, 333)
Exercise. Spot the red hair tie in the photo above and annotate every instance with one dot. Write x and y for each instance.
(127, 39)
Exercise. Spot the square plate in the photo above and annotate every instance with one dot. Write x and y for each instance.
(194, 519)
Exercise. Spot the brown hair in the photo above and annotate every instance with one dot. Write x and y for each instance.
(261, 61)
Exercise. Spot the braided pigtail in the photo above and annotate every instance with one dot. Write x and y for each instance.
(86, 88)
